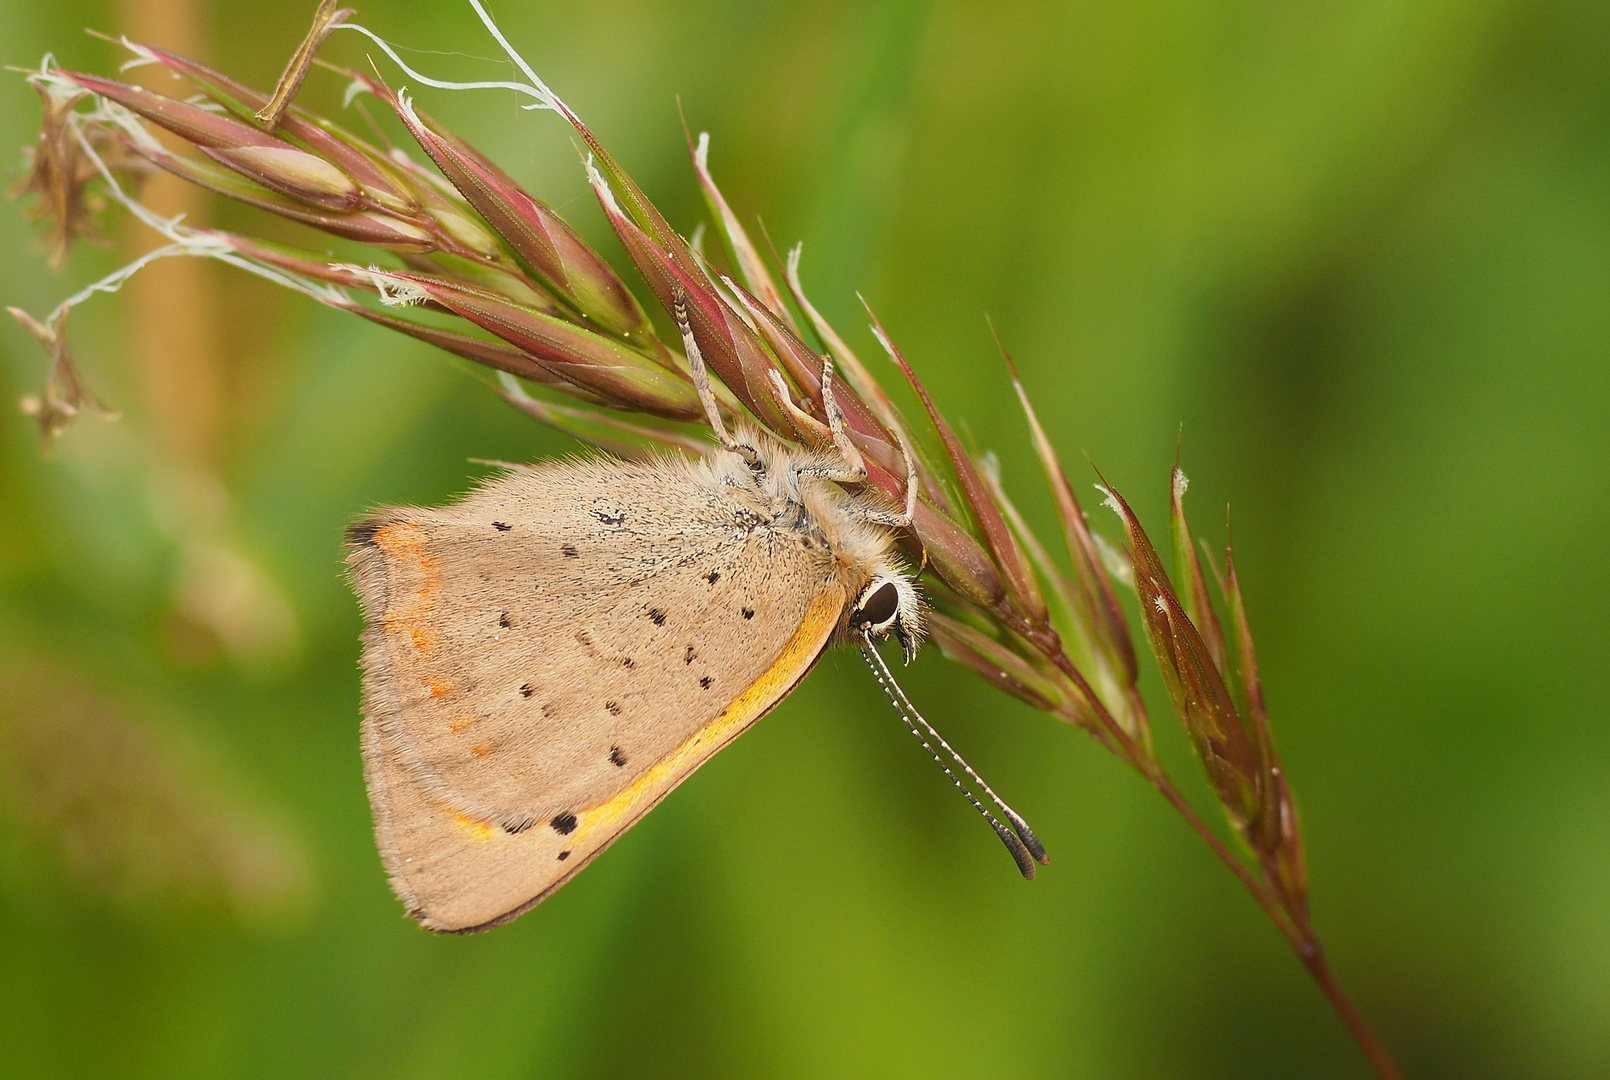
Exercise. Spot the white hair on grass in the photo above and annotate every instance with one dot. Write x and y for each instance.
(405, 104)
(512, 387)
(543, 100)
(883, 339)
(546, 98)
(601, 185)
(142, 55)
(1181, 483)
(739, 303)
(112, 282)
(354, 88)
(536, 88)
(852, 366)
(1117, 562)
(62, 89)
(124, 119)
(394, 291)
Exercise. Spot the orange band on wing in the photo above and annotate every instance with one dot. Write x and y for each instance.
(797, 656)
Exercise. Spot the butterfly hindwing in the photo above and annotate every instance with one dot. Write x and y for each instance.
(547, 659)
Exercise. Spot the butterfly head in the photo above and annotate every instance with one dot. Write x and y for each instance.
(889, 605)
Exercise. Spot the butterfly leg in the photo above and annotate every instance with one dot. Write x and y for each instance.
(851, 468)
(841, 440)
(911, 479)
(701, 384)
(851, 457)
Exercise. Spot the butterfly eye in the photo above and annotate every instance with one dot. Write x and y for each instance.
(877, 608)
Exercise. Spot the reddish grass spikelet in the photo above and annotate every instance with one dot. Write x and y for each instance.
(545, 247)
(998, 664)
(1188, 570)
(606, 368)
(742, 250)
(1022, 587)
(1195, 684)
(1093, 627)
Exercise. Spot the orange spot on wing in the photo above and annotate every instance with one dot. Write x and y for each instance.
(404, 543)
(440, 688)
(456, 726)
(481, 751)
(479, 832)
(400, 538)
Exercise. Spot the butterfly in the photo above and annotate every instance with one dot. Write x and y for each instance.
(548, 658)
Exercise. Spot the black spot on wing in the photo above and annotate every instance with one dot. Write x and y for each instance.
(614, 707)
(503, 621)
(527, 690)
(361, 533)
(616, 756)
(657, 615)
(606, 517)
(570, 551)
(706, 681)
(749, 613)
(501, 526)
(687, 657)
(563, 855)
(515, 828)
(627, 661)
(564, 823)
(713, 576)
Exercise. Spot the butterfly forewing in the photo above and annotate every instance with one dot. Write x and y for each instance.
(548, 658)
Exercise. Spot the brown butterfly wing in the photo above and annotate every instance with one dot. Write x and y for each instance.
(547, 659)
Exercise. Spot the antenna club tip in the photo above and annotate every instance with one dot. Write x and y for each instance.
(1020, 854)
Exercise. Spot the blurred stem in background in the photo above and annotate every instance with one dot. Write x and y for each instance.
(175, 302)
(222, 596)
(482, 269)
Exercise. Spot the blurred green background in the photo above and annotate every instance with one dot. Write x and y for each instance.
(1360, 250)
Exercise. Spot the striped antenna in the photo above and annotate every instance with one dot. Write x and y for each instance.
(1024, 846)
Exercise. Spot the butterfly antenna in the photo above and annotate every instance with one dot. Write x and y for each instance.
(1030, 841)
(1024, 846)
